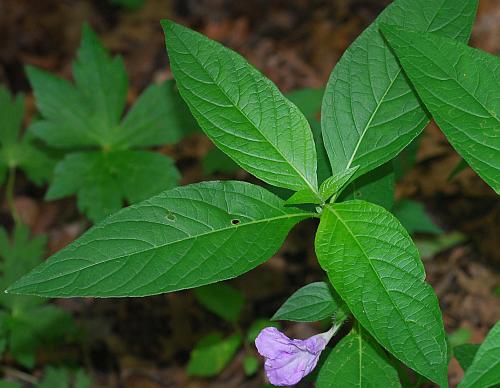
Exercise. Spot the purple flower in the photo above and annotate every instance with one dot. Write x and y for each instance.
(289, 360)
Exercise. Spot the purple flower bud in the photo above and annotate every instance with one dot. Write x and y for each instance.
(289, 360)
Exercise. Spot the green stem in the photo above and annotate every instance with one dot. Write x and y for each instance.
(9, 193)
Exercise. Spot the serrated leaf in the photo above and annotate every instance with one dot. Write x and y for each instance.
(414, 218)
(460, 86)
(16, 150)
(370, 112)
(242, 111)
(212, 354)
(332, 186)
(159, 116)
(357, 361)
(186, 237)
(102, 81)
(221, 299)
(311, 303)
(66, 122)
(465, 354)
(105, 180)
(485, 368)
(376, 186)
(375, 267)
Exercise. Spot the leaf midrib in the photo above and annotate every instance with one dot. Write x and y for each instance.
(308, 184)
(330, 208)
(232, 227)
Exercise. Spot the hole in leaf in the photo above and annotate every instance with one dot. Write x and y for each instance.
(235, 221)
(357, 194)
(171, 217)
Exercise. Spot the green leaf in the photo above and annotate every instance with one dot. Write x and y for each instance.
(414, 218)
(357, 361)
(66, 116)
(311, 303)
(19, 255)
(250, 365)
(303, 196)
(221, 299)
(461, 166)
(309, 103)
(102, 81)
(459, 337)
(332, 186)
(374, 266)
(217, 161)
(370, 112)
(105, 180)
(183, 238)
(485, 368)
(465, 354)
(460, 86)
(159, 116)
(212, 354)
(406, 159)
(18, 151)
(242, 111)
(10, 384)
(377, 187)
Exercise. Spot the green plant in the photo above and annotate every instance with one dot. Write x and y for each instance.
(207, 232)
(19, 151)
(26, 322)
(106, 163)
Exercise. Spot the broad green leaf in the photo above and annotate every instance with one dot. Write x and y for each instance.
(357, 361)
(458, 337)
(465, 354)
(221, 299)
(183, 238)
(102, 81)
(311, 303)
(212, 354)
(10, 384)
(103, 180)
(376, 186)
(242, 111)
(332, 186)
(375, 267)
(370, 112)
(309, 103)
(460, 86)
(485, 368)
(159, 116)
(217, 161)
(413, 217)
(16, 150)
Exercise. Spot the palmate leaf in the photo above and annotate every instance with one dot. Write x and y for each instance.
(103, 181)
(242, 111)
(460, 86)
(375, 267)
(485, 368)
(370, 112)
(185, 237)
(357, 361)
(87, 116)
